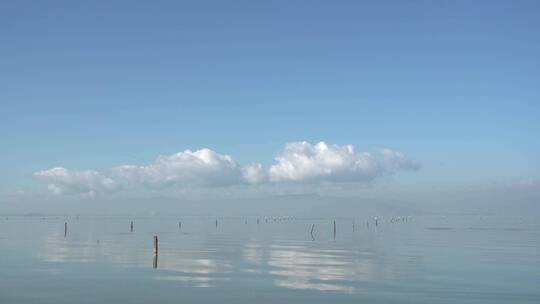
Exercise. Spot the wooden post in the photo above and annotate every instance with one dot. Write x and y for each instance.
(131, 226)
(65, 229)
(257, 221)
(334, 229)
(311, 232)
(155, 260)
(179, 225)
(155, 245)
(216, 223)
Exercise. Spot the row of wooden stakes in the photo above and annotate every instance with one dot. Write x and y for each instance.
(155, 244)
(311, 230)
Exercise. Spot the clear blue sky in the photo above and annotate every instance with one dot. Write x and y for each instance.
(95, 84)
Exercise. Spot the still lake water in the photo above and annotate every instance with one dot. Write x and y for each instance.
(459, 259)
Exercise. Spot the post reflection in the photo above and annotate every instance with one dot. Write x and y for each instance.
(155, 261)
(210, 260)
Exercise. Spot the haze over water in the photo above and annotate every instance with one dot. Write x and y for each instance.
(425, 259)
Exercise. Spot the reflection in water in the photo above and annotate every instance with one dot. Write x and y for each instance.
(206, 260)
(308, 267)
(299, 268)
(439, 260)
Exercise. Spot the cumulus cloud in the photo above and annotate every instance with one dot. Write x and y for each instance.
(200, 168)
(298, 162)
(302, 161)
(254, 174)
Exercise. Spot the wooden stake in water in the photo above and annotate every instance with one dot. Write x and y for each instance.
(216, 223)
(179, 225)
(311, 232)
(155, 247)
(155, 250)
(155, 260)
(334, 229)
(65, 229)
(131, 226)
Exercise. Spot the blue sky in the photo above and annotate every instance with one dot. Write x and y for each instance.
(94, 85)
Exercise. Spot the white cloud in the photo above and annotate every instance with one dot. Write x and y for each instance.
(88, 182)
(254, 174)
(396, 160)
(200, 168)
(298, 162)
(302, 161)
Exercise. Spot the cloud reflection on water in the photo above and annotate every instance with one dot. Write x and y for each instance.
(203, 261)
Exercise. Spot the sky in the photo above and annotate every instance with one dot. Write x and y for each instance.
(105, 101)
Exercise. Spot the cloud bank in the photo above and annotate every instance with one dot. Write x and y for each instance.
(298, 162)
(200, 168)
(64, 181)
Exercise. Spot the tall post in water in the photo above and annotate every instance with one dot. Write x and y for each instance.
(311, 232)
(334, 229)
(216, 223)
(179, 225)
(65, 229)
(155, 249)
(155, 246)
(131, 226)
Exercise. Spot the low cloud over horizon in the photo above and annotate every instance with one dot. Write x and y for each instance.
(298, 162)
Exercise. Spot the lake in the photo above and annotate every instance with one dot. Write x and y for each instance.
(423, 259)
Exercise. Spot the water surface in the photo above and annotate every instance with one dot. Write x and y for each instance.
(458, 259)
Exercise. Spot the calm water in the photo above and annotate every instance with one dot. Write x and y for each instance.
(467, 259)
